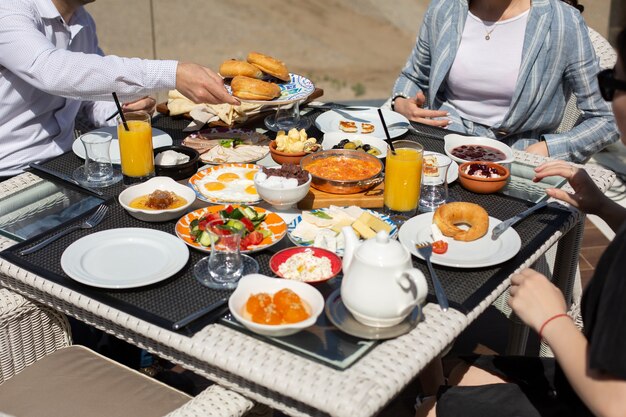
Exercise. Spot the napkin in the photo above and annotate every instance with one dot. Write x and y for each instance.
(205, 113)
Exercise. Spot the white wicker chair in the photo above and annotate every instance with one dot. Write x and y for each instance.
(31, 331)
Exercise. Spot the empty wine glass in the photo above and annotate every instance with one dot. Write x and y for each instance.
(287, 117)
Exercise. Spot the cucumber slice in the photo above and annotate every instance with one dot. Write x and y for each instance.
(207, 239)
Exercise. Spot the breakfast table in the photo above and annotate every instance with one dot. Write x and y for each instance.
(289, 375)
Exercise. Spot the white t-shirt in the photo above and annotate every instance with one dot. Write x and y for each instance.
(482, 79)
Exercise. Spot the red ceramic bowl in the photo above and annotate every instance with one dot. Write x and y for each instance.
(480, 185)
(283, 255)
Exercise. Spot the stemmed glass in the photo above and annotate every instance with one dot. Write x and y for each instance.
(287, 117)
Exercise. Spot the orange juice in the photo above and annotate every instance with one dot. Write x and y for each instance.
(403, 176)
(136, 152)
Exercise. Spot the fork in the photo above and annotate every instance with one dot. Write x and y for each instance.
(92, 221)
(426, 250)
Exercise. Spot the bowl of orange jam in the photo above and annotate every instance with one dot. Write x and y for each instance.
(275, 307)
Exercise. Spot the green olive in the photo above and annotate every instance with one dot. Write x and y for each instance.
(373, 151)
(349, 145)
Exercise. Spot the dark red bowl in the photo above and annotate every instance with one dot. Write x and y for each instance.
(283, 255)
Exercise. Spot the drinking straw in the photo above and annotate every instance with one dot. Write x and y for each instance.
(119, 109)
(382, 119)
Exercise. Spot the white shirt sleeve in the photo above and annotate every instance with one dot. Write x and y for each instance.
(26, 52)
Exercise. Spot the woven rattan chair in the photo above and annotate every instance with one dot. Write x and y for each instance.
(36, 356)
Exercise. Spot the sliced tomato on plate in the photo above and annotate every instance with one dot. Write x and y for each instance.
(248, 223)
(440, 247)
(251, 239)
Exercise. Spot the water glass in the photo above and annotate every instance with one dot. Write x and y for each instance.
(223, 268)
(403, 174)
(287, 117)
(97, 171)
(434, 190)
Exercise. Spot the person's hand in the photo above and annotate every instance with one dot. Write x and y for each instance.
(413, 109)
(201, 85)
(587, 196)
(535, 299)
(147, 104)
(539, 148)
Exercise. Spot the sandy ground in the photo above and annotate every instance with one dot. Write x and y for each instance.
(352, 49)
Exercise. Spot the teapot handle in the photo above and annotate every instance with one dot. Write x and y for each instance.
(413, 280)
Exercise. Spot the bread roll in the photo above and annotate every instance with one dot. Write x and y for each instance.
(269, 65)
(231, 68)
(252, 89)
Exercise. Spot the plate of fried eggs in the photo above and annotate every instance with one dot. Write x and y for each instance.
(226, 184)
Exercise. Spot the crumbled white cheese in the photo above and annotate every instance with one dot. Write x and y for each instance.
(305, 266)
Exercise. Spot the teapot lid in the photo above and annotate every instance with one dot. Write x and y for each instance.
(382, 250)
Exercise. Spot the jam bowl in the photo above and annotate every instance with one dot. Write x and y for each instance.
(483, 177)
(474, 148)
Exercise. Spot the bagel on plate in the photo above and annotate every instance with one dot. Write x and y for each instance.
(449, 215)
(232, 67)
(252, 89)
(269, 65)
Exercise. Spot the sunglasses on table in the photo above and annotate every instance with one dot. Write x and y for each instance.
(608, 84)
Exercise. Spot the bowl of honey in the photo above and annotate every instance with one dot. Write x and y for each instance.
(157, 200)
(275, 307)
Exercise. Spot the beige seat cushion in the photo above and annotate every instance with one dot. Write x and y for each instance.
(76, 381)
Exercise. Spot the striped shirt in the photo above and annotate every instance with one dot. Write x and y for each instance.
(51, 70)
(558, 59)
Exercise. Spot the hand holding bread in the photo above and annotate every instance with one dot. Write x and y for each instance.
(246, 76)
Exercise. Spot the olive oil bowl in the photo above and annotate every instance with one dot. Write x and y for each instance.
(157, 200)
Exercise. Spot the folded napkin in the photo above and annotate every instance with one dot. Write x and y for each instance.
(205, 113)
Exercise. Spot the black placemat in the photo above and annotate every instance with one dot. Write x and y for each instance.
(175, 298)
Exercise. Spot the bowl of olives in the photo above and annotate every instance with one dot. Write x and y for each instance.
(355, 141)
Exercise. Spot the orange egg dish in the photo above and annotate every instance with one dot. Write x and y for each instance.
(283, 307)
(340, 168)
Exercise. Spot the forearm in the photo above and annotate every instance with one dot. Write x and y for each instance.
(602, 395)
(612, 213)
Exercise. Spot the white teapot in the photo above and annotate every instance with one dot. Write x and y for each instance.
(380, 287)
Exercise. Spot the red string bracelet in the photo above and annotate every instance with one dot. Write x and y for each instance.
(556, 316)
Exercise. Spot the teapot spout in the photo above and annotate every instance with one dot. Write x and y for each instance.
(351, 242)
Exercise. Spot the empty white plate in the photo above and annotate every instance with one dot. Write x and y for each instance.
(124, 258)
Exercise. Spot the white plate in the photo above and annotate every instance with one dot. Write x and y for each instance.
(453, 171)
(333, 138)
(124, 258)
(476, 254)
(329, 121)
(159, 138)
(298, 88)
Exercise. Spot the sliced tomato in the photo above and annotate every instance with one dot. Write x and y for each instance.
(246, 222)
(440, 247)
(251, 239)
(229, 209)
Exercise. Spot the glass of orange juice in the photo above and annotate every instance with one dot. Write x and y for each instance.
(403, 177)
(136, 151)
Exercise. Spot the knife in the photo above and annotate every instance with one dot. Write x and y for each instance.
(331, 106)
(499, 229)
(63, 177)
(200, 313)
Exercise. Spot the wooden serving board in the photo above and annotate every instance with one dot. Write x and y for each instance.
(372, 198)
(255, 118)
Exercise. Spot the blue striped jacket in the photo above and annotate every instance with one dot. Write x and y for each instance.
(557, 59)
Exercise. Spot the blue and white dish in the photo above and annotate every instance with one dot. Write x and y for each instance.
(339, 250)
(298, 88)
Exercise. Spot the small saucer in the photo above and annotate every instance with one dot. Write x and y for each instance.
(201, 272)
(270, 123)
(80, 176)
(339, 315)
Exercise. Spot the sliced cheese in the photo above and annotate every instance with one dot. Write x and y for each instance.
(340, 224)
(363, 229)
(374, 222)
